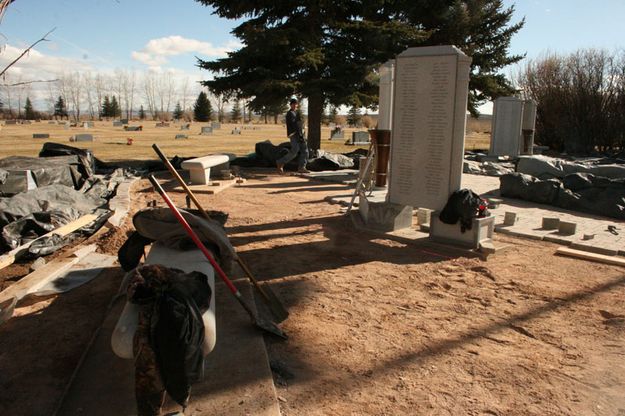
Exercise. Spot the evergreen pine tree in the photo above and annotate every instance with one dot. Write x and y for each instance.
(202, 108)
(106, 107)
(353, 116)
(60, 109)
(141, 113)
(178, 113)
(116, 110)
(333, 113)
(29, 113)
(235, 113)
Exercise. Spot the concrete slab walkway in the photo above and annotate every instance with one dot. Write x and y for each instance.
(238, 380)
(529, 217)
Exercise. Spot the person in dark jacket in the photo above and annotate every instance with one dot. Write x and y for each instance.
(295, 132)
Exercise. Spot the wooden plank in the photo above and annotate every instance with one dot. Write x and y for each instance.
(586, 255)
(9, 258)
(40, 277)
(37, 279)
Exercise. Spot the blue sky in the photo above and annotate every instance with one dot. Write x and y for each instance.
(159, 35)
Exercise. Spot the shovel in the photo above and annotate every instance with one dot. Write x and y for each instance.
(269, 297)
(267, 326)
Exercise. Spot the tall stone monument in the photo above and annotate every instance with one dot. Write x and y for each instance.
(506, 126)
(385, 108)
(429, 118)
(512, 132)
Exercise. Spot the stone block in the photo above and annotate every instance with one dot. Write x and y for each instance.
(206, 130)
(551, 223)
(18, 181)
(181, 136)
(424, 216)
(124, 121)
(567, 228)
(215, 125)
(337, 134)
(510, 218)
(482, 229)
(41, 135)
(117, 124)
(384, 216)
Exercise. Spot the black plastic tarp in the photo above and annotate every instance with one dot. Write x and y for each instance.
(577, 192)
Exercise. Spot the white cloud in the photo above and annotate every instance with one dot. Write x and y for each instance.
(156, 51)
(37, 65)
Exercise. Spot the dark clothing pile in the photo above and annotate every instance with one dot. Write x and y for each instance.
(463, 205)
(170, 334)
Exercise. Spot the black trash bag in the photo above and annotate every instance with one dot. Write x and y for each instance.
(463, 205)
(88, 161)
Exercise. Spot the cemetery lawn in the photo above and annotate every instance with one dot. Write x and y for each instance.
(110, 142)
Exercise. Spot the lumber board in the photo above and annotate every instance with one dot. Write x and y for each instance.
(9, 258)
(40, 277)
(587, 255)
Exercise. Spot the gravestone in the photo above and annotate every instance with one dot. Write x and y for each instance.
(117, 124)
(207, 130)
(337, 134)
(83, 138)
(506, 135)
(236, 131)
(162, 124)
(133, 128)
(361, 137)
(88, 124)
(18, 181)
(10, 122)
(181, 136)
(216, 125)
(66, 126)
(52, 122)
(385, 107)
(185, 127)
(429, 107)
(41, 135)
(26, 122)
(124, 121)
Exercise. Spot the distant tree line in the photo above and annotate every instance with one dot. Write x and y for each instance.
(581, 100)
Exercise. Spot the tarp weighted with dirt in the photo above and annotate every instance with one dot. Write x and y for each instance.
(578, 192)
(544, 167)
(266, 154)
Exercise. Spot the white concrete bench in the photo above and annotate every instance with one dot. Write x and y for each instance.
(187, 261)
(200, 167)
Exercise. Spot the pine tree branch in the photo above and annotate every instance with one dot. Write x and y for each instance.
(43, 39)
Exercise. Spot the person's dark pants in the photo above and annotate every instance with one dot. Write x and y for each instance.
(298, 148)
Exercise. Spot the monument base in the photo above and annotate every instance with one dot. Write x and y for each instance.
(482, 229)
(384, 216)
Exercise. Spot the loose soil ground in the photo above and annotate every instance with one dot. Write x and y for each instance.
(378, 325)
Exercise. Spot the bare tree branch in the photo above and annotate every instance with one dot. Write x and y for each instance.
(3, 7)
(29, 82)
(43, 39)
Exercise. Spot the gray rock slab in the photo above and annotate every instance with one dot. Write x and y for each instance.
(83, 138)
(41, 135)
(181, 136)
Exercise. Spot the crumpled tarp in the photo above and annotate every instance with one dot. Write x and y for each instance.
(485, 168)
(63, 170)
(86, 158)
(577, 192)
(266, 154)
(27, 215)
(544, 167)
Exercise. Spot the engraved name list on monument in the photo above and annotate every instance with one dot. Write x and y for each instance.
(423, 129)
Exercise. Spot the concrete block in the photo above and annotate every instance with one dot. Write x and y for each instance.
(384, 216)
(510, 218)
(424, 215)
(593, 249)
(551, 223)
(567, 228)
(482, 229)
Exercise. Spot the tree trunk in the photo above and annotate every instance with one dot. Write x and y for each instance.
(315, 111)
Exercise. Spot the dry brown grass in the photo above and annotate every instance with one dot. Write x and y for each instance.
(110, 142)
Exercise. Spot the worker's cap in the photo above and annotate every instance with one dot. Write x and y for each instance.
(293, 101)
